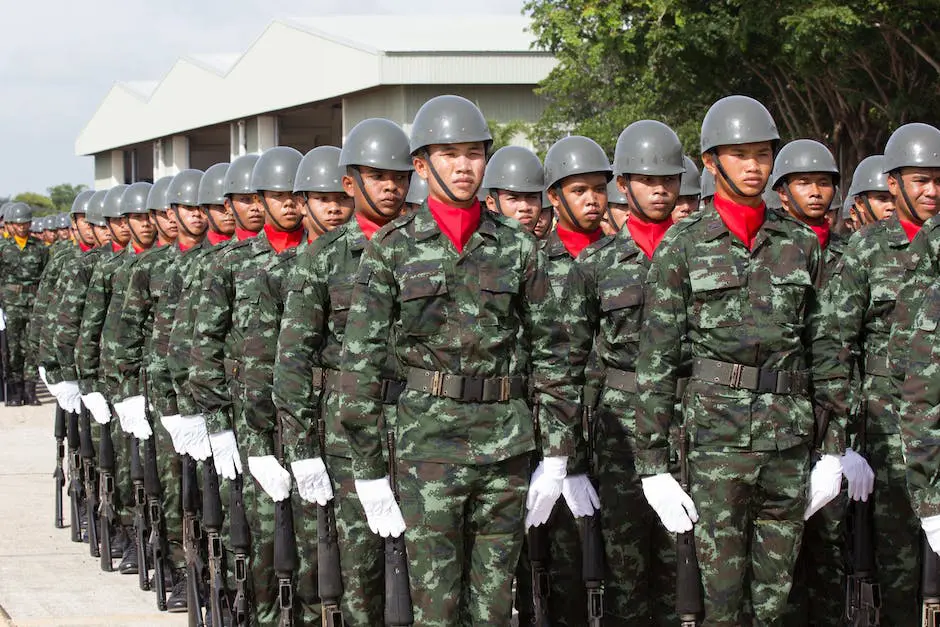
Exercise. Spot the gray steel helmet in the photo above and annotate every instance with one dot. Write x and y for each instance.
(836, 201)
(691, 184)
(417, 190)
(48, 223)
(95, 212)
(448, 120)
(377, 143)
(3, 209)
(156, 199)
(19, 213)
(135, 198)
(238, 176)
(80, 204)
(802, 156)
(36, 225)
(184, 188)
(771, 197)
(319, 171)
(708, 183)
(210, 187)
(112, 202)
(62, 221)
(847, 204)
(546, 201)
(914, 145)
(648, 147)
(515, 169)
(614, 195)
(275, 170)
(869, 176)
(575, 155)
(737, 120)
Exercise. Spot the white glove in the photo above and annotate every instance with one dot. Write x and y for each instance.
(98, 406)
(228, 464)
(313, 481)
(195, 437)
(931, 526)
(382, 511)
(825, 481)
(675, 508)
(69, 396)
(544, 489)
(274, 480)
(133, 413)
(172, 425)
(580, 495)
(42, 376)
(3, 321)
(859, 474)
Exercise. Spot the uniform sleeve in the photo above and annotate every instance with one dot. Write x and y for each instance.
(45, 294)
(158, 371)
(181, 339)
(69, 320)
(130, 332)
(88, 347)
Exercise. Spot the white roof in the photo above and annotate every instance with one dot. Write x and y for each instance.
(316, 58)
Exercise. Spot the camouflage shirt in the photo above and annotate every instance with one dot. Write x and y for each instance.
(68, 317)
(708, 294)
(20, 273)
(88, 347)
(461, 314)
(47, 301)
(108, 368)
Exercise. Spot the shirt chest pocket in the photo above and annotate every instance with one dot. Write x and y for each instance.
(247, 304)
(340, 303)
(789, 294)
(498, 290)
(623, 307)
(423, 303)
(716, 297)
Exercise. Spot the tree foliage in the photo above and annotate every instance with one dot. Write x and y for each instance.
(64, 194)
(843, 72)
(42, 205)
(505, 134)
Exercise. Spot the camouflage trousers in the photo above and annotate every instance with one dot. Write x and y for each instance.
(464, 536)
(750, 525)
(169, 470)
(17, 321)
(362, 553)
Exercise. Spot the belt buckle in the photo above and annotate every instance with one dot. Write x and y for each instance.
(437, 382)
(737, 373)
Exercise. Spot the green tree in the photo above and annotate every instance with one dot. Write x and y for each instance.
(64, 194)
(42, 205)
(843, 72)
(503, 134)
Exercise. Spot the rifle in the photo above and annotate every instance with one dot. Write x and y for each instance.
(212, 521)
(241, 545)
(58, 475)
(689, 602)
(329, 576)
(140, 514)
(862, 591)
(537, 540)
(5, 364)
(929, 585)
(76, 489)
(157, 538)
(286, 560)
(191, 535)
(90, 481)
(592, 541)
(106, 513)
(398, 609)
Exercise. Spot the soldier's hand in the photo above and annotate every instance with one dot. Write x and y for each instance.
(98, 406)
(42, 377)
(172, 425)
(860, 476)
(674, 507)
(580, 495)
(271, 476)
(228, 463)
(931, 526)
(69, 396)
(544, 489)
(381, 508)
(194, 437)
(133, 414)
(825, 481)
(313, 481)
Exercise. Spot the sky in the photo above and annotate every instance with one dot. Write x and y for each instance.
(59, 58)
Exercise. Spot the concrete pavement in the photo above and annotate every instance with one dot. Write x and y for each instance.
(45, 579)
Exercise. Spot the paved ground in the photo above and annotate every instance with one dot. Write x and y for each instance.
(45, 579)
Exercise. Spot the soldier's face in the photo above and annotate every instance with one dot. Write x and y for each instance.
(655, 194)
(544, 224)
(282, 214)
(62, 234)
(192, 218)
(386, 188)
(18, 230)
(620, 213)
(48, 236)
(747, 165)
(881, 203)
(166, 224)
(331, 209)
(86, 232)
(143, 229)
(460, 167)
(922, 188)
(248, 209)
(522, 207)
(222, 218)
(685, 205)
(102, 234)
(586, 196)
(120, 230)
(813, 193)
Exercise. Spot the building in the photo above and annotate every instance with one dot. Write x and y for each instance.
(306, 83)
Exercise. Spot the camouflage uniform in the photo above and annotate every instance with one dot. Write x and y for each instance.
(865, 290)
(21, 271)
(462, 465)
(750, 439)
(605, 289)
(48, 295)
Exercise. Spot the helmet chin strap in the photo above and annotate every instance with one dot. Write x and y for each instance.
(357, 176)
(134, 236)
(181, 224)
(567, 208)
(918, 220)
(724, 175)
(794, 203)
(212, 224)
(868, 209)
(160, 231)
(313, 215)
(238, 221)
(114, 237)
(639, 207)
(440, 181)
(267, 210)
(94, 238)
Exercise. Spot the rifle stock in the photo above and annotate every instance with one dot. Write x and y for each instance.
(106, 514)
(90, 482)
(929, 585)
(76, 489)
(689, 602)
(157, 539)
(592, 541)
(191, 535)
(140, 514)
(398, 608)
(329, 575)
(212, 521)
(58, 474)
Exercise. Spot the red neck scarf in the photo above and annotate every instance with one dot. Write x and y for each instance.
(116, 247)
(648, 235)
(82, 246)
(241, 234)
(282, 240)
(137, 249)
(183, 248)
(369, 228)
(822, 232)
(744, 222)
(456, 223)
(576, 241)
(910, 228)
(217, 238)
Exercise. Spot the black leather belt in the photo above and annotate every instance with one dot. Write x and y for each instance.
(621, 380)
(751, 377)
(467, 389)
(328, 379)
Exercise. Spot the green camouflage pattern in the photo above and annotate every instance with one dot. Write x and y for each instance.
(47, 301)
(90, 333)
(73, 284)
(120, 281)
(20, 275)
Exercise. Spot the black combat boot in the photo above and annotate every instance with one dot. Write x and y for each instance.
(14, 395)
(118, 541)
(177, 602)
(129, 564)
(30, 396)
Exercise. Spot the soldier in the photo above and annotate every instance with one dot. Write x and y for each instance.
(708, 186)
(21, 266)
(617, 210)
(3, 226)
(63, 227)
(35, 229)
(320, 186)
(417, 193)
(690, 191)
(546, 221)
(513, 182)
(49, 236)
(871, 199)
(459, 285)
(731, 290)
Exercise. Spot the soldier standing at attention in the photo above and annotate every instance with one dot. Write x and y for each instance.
(514, 185)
